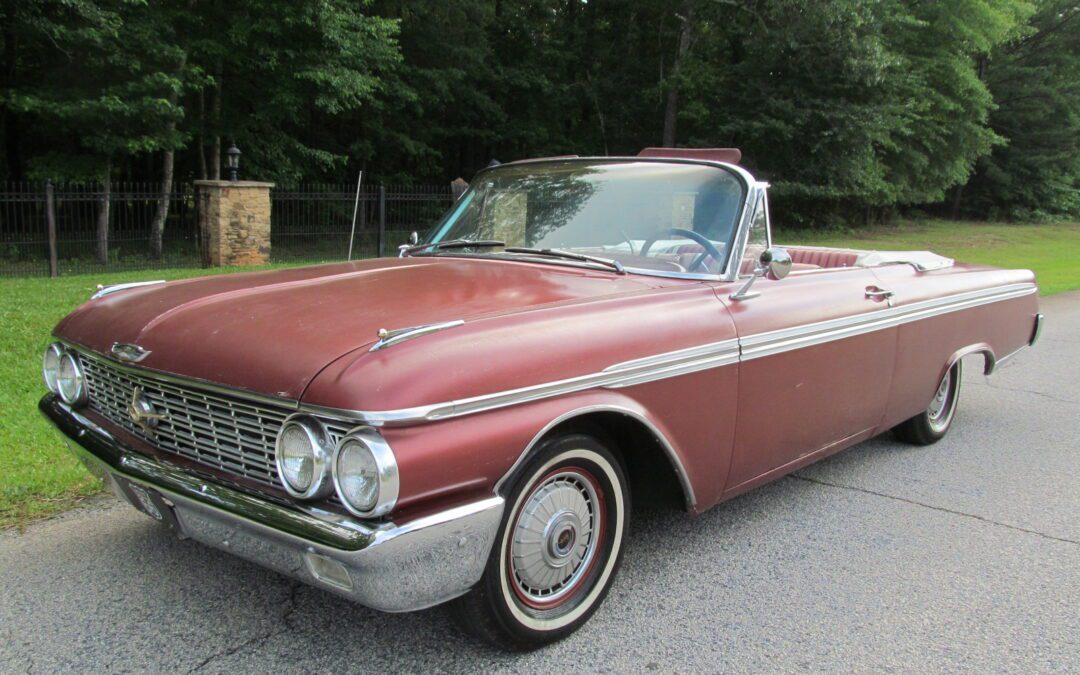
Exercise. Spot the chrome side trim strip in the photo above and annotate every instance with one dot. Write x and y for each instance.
(623, 374)
(669, 450)
(102, 291)
(682, 362)
(787, 339)
(646, 369)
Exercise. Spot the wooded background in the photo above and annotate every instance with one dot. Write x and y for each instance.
(853, 109)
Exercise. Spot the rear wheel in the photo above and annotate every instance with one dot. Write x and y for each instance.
(931, 425)
(558, 549)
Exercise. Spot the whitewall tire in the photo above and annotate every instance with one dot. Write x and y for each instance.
(558, 549)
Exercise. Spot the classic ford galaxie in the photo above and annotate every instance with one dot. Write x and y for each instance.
(469, 421)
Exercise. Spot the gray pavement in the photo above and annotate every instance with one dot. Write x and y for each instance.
(964, 556)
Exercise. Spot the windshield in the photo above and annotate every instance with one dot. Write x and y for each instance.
(649, 216)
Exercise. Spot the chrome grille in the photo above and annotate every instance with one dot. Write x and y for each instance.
(219, 431)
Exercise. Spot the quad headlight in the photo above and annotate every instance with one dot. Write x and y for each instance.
(50, 366)
(63, 375)
(366, 473)
(302, 455)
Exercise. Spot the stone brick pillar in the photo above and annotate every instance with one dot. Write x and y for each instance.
(234, 220)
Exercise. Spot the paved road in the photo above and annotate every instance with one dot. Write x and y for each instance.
(963, 556)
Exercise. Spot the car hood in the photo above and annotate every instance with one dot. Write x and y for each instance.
(272, 332)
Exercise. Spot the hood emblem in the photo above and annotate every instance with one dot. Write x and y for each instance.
(129, 352)
(142, 412)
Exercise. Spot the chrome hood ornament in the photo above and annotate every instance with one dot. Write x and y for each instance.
(129, 352)
(103, 290)
(389, 338)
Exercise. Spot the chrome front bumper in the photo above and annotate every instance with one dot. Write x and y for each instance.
(390, 567)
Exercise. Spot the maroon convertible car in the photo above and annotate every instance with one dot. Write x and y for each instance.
(470, 420)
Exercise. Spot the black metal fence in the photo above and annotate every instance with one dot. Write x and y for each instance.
(53, 229)
(314, 222)
(56, 229)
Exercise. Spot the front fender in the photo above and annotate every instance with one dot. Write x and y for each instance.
(466, 458)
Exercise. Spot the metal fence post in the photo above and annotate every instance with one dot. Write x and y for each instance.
(381, 241)
(50, 221)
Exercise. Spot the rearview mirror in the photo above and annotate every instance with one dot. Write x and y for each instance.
(774, 263)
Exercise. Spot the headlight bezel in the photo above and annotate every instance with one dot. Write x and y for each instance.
(58, 351)
(79, 396)
(321, 484)
(386, 472)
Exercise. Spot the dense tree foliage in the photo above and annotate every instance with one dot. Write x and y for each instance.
(1035, 81)
(851, 108)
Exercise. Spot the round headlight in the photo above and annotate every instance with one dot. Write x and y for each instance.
(50, 366)
(366, 474)
(69, 381)
(302, 458)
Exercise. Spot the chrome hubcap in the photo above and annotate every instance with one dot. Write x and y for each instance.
(937, 406)
(939, 413)
(554, 538)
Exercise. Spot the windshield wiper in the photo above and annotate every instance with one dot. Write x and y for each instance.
(452, 243)
(559, 253)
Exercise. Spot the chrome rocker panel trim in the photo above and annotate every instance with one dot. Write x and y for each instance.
(393, 567)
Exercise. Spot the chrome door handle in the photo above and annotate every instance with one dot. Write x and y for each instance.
(879, 293)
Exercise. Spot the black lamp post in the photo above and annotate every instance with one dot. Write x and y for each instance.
(232, 161)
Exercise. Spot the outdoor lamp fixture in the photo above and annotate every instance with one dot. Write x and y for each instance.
(232, 161)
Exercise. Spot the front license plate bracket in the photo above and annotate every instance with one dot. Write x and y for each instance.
(150, 502)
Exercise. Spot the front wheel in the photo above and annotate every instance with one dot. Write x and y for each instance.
(558, 549)
(931, 425)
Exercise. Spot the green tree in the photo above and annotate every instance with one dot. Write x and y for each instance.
(284, 76)
(101, 89)
(847, 105)
(1035, 81)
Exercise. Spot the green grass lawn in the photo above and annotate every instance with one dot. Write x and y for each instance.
(39, 477)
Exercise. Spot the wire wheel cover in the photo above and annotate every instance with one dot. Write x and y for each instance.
(555, 538)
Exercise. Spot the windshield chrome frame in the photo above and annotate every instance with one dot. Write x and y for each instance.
(751, 186)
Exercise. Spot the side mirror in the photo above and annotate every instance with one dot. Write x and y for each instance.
(414, 239)
(774, 263)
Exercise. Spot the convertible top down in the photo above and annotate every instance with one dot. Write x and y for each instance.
(470, 421)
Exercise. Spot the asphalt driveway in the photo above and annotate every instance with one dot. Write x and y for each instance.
(961, 556)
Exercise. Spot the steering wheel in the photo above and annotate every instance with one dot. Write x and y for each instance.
(710, 249)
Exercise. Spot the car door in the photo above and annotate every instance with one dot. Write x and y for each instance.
(813, 375)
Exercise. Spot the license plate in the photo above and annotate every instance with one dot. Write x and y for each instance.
(150, 502)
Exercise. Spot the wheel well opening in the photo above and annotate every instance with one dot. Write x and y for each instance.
(653, 478)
